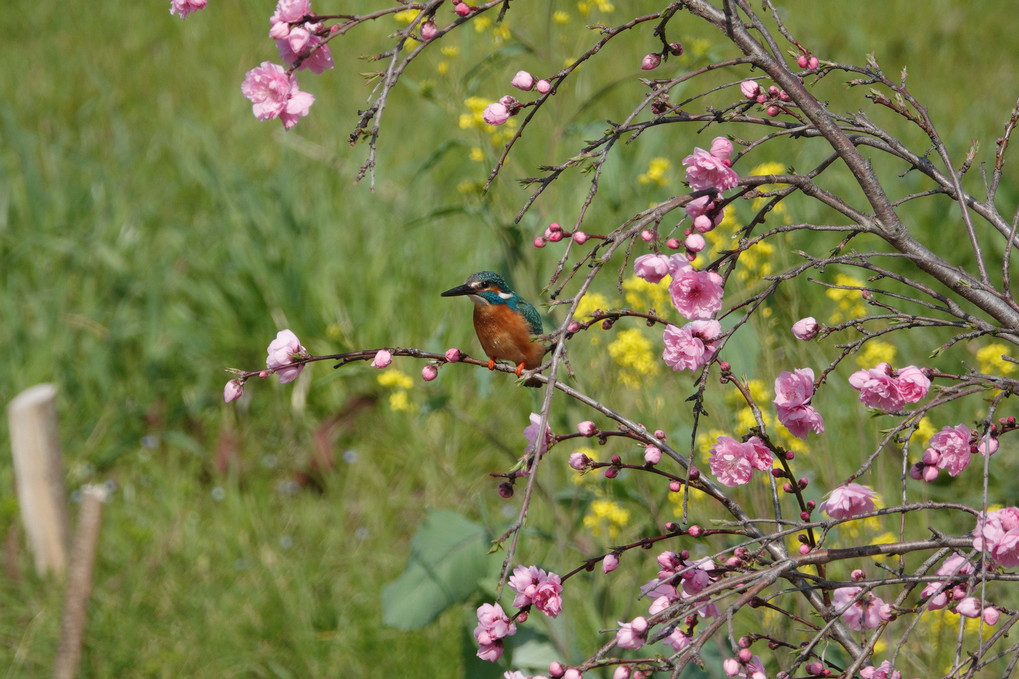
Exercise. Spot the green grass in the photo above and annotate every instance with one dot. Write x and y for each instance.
(152, 233)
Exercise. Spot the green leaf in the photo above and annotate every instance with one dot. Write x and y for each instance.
(448, 557)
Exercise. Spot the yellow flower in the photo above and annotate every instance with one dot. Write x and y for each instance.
(991, 361)
(476, 154)
(606, 517)
(481, 24)
(449, 51)
(398, 400)
(656, 172)
(633, 352)
(875, 352)
(406, 16)
(639, 294)
(560, 17)
(395, 378)
(924, 430)
(849, 303)
(590, 302)
(442, 67)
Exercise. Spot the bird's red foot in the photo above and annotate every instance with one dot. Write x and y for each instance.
(491, 364)
(520, 369)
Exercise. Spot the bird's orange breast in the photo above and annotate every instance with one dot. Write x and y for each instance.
(505, 334)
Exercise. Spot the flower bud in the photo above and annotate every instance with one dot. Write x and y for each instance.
(750, 89)
(610, 562)
(453, 355)
(233, 390)
(495, 114)
(543, 86)
(429, 30)
(523, 81)
(429, 373)
(805, 328)
(650, 62)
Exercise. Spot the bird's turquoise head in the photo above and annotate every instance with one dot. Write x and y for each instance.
(488, 287)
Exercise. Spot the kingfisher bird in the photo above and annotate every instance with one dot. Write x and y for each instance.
(505, 322)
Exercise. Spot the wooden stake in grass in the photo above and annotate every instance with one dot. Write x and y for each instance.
(79, 582)
(35, 444)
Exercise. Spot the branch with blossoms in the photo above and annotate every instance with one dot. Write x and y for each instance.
(725, 254)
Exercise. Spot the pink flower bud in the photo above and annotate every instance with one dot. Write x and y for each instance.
(382, 359)
(672, 243)
(773, 111)
(805, 328)
(745, 655)
(675, 49)
(695, 242)
(647, 235)
(622, 672)
(429, 373)
(555, 236)
(495, 114)
(857, 575)
(453, 355)
(675, 486)
(750, 89)
(429, 30)
(731, 667)
(462, 8)
(652, 454)
(572, 673)
(556, 669)
(784, 96)
(721, 148)
(813, 63)
(650, 62)
(233, 390)
(991, 615)
(263, 374)
(539, 242)
(694, 531)
(573, 327)
(523, 81)
(543, 86)
(587, 428)
(802, 60)
(579, 461)
(610, 562)
(969, 607)
(804, 549)
(579, 237)
(930, 473)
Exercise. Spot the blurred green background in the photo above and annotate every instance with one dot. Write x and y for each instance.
(152, 233)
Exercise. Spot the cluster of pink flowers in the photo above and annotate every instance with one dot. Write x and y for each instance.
(861, 611)
(711, 169)
(885, 388)
(184, 7)
(793, 391)
(274, 94)
(554, 233)
(950, 450)
(298, 34)
(745, 664)
(953, 592)
(849, 500)
(772, 99)
(882, 671)
(534, 586)
(691, 346)
(733, 463)
(997, 536)
(493, 626)
(497, 113)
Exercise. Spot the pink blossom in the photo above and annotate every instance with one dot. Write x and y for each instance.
(429, 30)
(531, 434)
(579, 461)
(800, 420)
(543, 86)
(609, 562)
(382, 359)
(704, 214)
(652, 454)
(705, 171)
(695, 242)
(751, 668)
(848, 501)
(274, 94)
(184, 7)
(750, 89)
(970, 607)
(316, 58)
(883, 671)
(524, 581)
(805, 328)
(794, 388)
(429, 372)
(997, 536)
(652, 268)
(678, 639)
(453, 355)
(730, 461)
(462, 9)
(650, 62)
(692, 346)
(233, 390)
(877, 388)
(955, 565)
(696, 294)
(950, 448)
(991, 615)
(867, 612)
(523, 81)
(290, 11)
(587, 428)
(631, 634)
(495, 114)
(912, 384)
(721, 148)
(283, 351)
(548, 595)
(493, 626)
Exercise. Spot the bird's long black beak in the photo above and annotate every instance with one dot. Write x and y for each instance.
(458, 290)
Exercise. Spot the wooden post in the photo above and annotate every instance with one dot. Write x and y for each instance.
(79, 582)
(35, 444)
